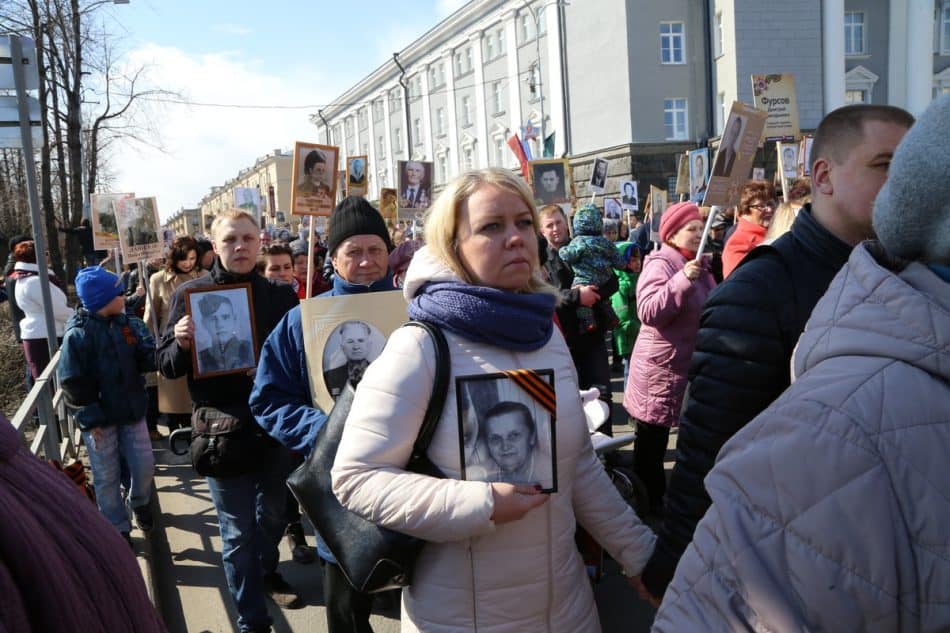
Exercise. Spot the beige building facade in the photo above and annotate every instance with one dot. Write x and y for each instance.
(271, 175)
(184, 222)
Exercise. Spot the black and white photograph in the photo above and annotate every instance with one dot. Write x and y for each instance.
(224, 330)
(315, 182)
(598, 175)
(613, 210)
(506, 427)
(698, 171)
(356, 184)
(415, 184)
(138, 224)
(629, 196)
(349, 350)
(549, 181)
(729, 146)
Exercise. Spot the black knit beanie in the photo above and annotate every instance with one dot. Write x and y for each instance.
(355, 216)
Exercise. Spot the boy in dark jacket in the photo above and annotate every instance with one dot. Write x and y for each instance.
(104, 354)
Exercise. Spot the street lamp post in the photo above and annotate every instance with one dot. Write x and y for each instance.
(536, 14)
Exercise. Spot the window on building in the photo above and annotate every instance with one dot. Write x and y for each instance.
(489, 47)
(417, 131)
(501, 41)
(527, 27)
(441, 68)
(395, 100)
(717, 35)
(672, 43)
(674, 119)
(433, 78)
(496, 98)
(440, 121)
(854, 33)
(542, 25)
(458, 63)
(468, 59)
(397, 140)
(499, 145)
(466, 110)
(378, 110)
(944, 25)
(468, 158)
(362, 118)
(443, 163)
(856, 96)
(348, 124)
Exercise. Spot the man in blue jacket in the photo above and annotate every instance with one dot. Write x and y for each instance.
(358, 245)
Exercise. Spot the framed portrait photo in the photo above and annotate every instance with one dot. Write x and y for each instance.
(342, 335)
(598, 176)
(105, 228)
(225, 336)
(356, 180)
(550, 181)
(138, 223)
(387, 203)
(629, 195)
(415, 185)
(612, 209)
(506, 427)
(315, 179)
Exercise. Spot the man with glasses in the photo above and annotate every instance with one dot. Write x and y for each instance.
(756, 208)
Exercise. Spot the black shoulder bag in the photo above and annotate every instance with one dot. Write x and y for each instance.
(373, 558)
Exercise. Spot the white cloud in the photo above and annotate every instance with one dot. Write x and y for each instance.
(206, 146)
(446, 8)
(229, 28)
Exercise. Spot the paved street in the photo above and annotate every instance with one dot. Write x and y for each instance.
(193, 596)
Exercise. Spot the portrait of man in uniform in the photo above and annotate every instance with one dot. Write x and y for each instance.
(224, 334)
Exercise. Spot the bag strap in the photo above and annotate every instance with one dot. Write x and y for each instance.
(439, 390)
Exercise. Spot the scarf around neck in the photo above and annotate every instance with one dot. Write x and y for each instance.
(519, 321)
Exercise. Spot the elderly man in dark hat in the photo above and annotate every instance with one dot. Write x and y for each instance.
(358, 245)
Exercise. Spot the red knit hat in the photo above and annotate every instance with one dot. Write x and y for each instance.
(676, 217)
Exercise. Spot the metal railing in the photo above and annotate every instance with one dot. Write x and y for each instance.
(57, 436)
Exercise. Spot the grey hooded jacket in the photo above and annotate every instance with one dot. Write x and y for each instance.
(831, 510)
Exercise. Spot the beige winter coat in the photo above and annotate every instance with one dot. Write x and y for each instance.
(173, 396)
(523, 576)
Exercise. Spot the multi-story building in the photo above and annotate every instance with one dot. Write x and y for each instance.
(270, 175)
(185, 222)
(636, 82)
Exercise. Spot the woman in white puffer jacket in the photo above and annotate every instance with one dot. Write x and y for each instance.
(501, 556)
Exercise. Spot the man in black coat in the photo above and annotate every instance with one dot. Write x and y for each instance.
(751, 323)
(249, 537)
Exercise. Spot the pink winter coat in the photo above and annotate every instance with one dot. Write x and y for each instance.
(669, 306)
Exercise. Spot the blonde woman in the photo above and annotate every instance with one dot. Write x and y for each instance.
(501, 556)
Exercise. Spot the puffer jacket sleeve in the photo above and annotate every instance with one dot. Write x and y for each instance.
(368, 473)
(790, 542)
(78, 379)
(281, 400)
(145, 358)
(739, 367)
(572, 252)
(601, 511)
(661, 292)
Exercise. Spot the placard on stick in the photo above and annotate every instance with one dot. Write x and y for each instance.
(138, 223)
(105, 229)
(315, 181)
(775, 94)
(735, 154)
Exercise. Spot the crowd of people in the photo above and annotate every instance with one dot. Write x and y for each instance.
(802, 358)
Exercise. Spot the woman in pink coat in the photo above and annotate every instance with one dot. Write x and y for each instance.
(670, 295)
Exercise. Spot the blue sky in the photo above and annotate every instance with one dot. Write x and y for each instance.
(242, 52)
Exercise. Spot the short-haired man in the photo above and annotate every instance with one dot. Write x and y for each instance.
(588, 349)
(227, 351)
(751, 323)
(551, 189)
(251, 505)
(358, 245)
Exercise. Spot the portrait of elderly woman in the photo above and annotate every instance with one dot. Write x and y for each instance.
(224, 334)
(315, 182)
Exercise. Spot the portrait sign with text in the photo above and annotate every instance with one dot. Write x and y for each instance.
(315, 179)
(737, 148)
(342, 335)
(225, 336)
(249, 199)
(506, 427)
(356, 181)
(139, 228)
(105, 228)
(775, 94)
(551, 181)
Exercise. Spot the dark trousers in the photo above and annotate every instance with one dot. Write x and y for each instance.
(589, 352)
(648, 453)
(347, 609)
(36, 351)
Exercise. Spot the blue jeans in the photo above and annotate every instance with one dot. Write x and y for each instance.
(252, 515)
(128, 443)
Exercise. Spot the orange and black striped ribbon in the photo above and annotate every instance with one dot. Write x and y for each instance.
(536, 386)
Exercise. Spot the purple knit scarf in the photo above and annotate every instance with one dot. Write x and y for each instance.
(519, 321)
